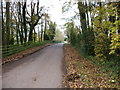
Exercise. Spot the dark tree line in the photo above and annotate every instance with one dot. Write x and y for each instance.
(20, 21)
(99, 31)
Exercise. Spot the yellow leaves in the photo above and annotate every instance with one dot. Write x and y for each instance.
(101, 45)
(112, 52)
(115, 37)
(83, 74)
(106, 24)
(115, 43)
(96, 23)
(117, 22)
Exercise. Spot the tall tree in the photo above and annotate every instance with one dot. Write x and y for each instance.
(3, 29)
(20, 23)
(34, 18)
(46, 17)
(8, 22)
(41, 30)
(24, 21)
(83, 21)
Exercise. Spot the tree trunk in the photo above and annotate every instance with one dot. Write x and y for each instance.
(82, 12)
(8, 23)
(41, 30)
(33, 22)
(82, 16)
(45, 36)
(17, 32)
(20, 21)
(30, 33)
(11, 31)
(38, 33)
(24, 22)
(3, 29)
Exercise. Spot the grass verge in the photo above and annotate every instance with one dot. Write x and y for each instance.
(24, 52)
(83, 73)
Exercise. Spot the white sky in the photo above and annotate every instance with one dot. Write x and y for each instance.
(55, 11)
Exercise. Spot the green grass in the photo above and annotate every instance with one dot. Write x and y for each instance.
(12, 49)
(54, 41)
(110, 67)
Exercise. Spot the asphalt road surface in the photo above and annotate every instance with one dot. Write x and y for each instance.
(42, 69)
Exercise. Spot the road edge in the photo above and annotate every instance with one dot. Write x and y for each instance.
(12, 58)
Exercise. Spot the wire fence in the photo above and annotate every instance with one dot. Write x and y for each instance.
(8, 50)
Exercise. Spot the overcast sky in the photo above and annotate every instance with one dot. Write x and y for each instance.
(55, 10)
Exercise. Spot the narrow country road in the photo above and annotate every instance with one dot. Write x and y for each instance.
(43, 69)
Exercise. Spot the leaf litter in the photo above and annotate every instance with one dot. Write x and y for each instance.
(82, 73)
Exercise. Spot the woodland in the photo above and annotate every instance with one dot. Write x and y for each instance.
(96, 38)
(24, 25)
